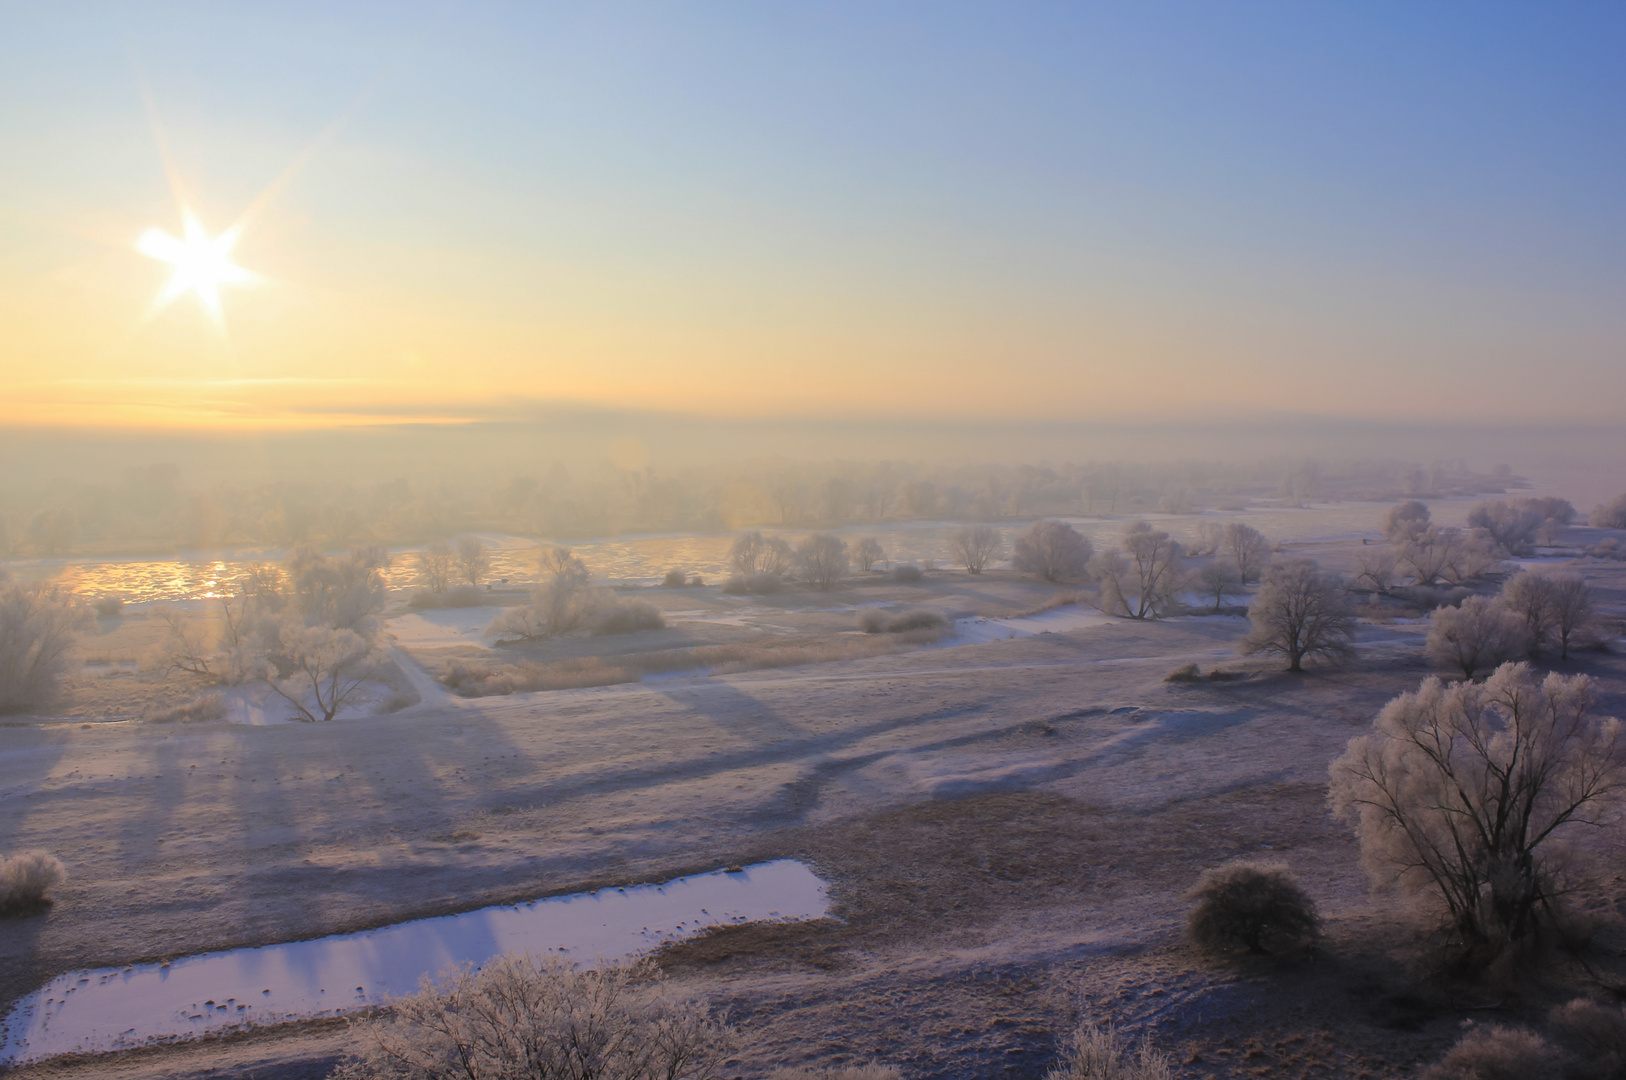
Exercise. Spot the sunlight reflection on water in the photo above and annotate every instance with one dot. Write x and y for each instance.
(645, 559)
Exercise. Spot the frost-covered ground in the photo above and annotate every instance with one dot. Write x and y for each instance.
(1008, 826)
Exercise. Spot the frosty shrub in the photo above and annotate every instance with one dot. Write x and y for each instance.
(878, 621)
(674, 579)
(752, 584)
(1465, 793)
(867, 552)
(1574, 618)
(1610, 515)
(1100, 1053)
(907, 574)
(1052, 550)
(974, 546)
(1248, 904)
(848, 1072)
(26, 881)
(110, 607)
(530, 1018)
(1477, 636)
(38, 631)
(822, 559)
(627, 617)
(1595, 1036)
(1300, 613)
(1497, 1053)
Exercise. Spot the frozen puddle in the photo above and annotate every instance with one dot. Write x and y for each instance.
(117, 1008)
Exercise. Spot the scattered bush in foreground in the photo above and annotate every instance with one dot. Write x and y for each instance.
(878, 621)
(1250, 903)
(907, 574)
(540, 1019)
(1497, 1053)
(26, 881)
(675, 579)
(1594, 1034)
(1478, 636)
(1100, 1053)
(1466, 793)
(628, 617)
(871, 1071)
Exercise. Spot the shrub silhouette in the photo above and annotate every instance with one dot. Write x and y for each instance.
(26, 881)
(878, 621)
(1497, 1053)
(675, 579)
(1248, 903)
(628, 617)
(1595, 1036)
(907, 574)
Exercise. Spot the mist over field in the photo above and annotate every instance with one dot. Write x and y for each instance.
(812, 542)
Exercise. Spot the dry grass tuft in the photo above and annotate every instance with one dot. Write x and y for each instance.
(1100, 1053)
(26, 881)
(871, 1071)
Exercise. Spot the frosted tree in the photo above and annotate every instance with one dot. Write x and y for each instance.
(867, 552)
(473, 559)
(1466, 793)
(1052, 550)
(975, 546)
(1301, 613)
(1248, 549)
(1477, 636)
(822, 559)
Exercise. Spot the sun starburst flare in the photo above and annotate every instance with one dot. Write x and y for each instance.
(202, 263)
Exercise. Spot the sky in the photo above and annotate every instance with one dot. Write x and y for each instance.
(937, 210)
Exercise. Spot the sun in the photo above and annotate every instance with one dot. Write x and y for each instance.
(202, 263)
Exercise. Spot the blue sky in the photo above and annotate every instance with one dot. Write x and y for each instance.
(1125, 210)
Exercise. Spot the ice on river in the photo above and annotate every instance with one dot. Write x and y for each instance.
(116, 1008)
